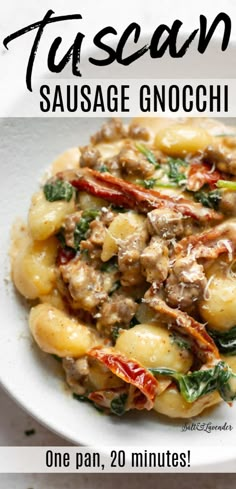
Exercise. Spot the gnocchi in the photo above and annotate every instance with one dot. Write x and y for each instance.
(181, 139)
(34, 267)
(172, 404)
(68, 160)
(45, 218)
(121, 228)
(219, 309)
(60, 335)
(87, 201)
(131, 275)
(154, 346)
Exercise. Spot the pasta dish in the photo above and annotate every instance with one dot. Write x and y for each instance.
(127, 261)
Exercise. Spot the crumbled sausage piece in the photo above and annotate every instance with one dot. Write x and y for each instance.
(228, 203)
(93, 244)
(113, 166)
(107, 216)
(118, 310)
(91, 251)
(134, 162)
(112, 130)
(87, 286)
(138, 132)
(87, 374)
(90, 157)
(165, 223)
(70, 225)
(129, 258)
(222, 155)
(76, 373)
(186, 283)
(154, 261)
(98, 232)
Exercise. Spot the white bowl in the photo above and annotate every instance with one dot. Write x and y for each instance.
(33, 378)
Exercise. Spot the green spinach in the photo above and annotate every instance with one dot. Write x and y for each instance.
(115, 286)
(103, 169)
(174, 173)
(202, 382)
(109, 266)
(180, 342)
(119, 209)
(225, 342)
(118, 405)
(149, 183)
(115, 332)
(134, 321)
(82, 226)
(58, 190)
(80, 398)
(57, 358)
(208, 199)
(148, 154)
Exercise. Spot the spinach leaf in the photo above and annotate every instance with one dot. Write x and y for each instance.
(149, 183)
(109, 266)
(58, 190)
(61, 238)
(82, 226)
(149, 154)
(202, 382)
(208, 199)
(103, 169)
(225, 342)
(119, 209)
(227, 388)
(134, 321)
(116, 285)
(57, 358)
(115, 332)
(175, 174)
(118, 405)
(180, 342)
(86, 399)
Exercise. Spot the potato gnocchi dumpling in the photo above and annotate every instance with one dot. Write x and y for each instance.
(154, 346)
(34, 271)
(123, 226)
(46, 218)
(182, 139)
(58, 334)
(172, 404)
(127, 261)
(219, 306)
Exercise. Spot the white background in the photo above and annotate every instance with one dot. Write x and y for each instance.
(14, 14)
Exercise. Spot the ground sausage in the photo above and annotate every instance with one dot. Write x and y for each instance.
(222, 155)
(69, 227)
(90, 157)
(154, 261)
(228, 203)
(134, 162)
(111, 131)
(87, 286)
(165, 223)
(129, 258)
(186, 283)
(118, 310)
(138, 132)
